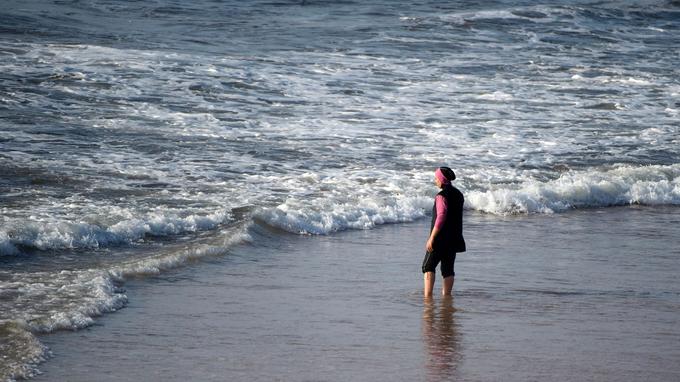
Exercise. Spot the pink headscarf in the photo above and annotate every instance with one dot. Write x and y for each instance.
(440, 176)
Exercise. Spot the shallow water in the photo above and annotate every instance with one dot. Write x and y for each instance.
(586, 296)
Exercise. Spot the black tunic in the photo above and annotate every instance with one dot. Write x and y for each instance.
(450, 236)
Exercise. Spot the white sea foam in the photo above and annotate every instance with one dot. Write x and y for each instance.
(614, 79)
(58, 300)
(495, 96)
(68, 307)
(47, 235)
(72, 299)
(621, 185)
(178, 257)
(359, 199)
(489, 14)
(81, 296)
(356, 206)
(542, 14)
(633, 81)
(327, 216)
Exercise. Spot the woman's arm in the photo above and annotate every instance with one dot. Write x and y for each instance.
(441, 208)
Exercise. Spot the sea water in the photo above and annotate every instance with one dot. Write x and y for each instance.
(588, 295)
(135, 137)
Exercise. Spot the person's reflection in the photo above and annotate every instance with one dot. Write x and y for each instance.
(440, 338)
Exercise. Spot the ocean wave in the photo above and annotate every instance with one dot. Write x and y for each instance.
(326, 216)
(97, 294)
(349, 203)
(96, 288)
(620, 185)
(72, 299)
(616, 186)
(52, 235)
(45, 302)
(176, 258)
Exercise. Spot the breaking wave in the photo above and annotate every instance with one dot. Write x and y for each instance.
(622, 185)
(616, 186)
(81, 235)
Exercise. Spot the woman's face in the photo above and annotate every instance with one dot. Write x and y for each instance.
(437, 182)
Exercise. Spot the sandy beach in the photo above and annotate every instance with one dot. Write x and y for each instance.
(584, 296)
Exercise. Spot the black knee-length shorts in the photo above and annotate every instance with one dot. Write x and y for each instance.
(435, 257)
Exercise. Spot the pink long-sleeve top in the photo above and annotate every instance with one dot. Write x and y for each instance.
(441, 207)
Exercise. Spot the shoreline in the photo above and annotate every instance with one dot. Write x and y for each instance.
(527, 305)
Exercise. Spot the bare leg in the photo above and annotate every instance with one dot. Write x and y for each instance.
(448, 285)
(428, 283)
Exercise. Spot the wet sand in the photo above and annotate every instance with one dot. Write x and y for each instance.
(583, 296)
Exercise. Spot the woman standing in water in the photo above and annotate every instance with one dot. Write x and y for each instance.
(446, 232)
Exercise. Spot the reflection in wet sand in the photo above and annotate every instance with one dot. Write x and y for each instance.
(441, 339)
